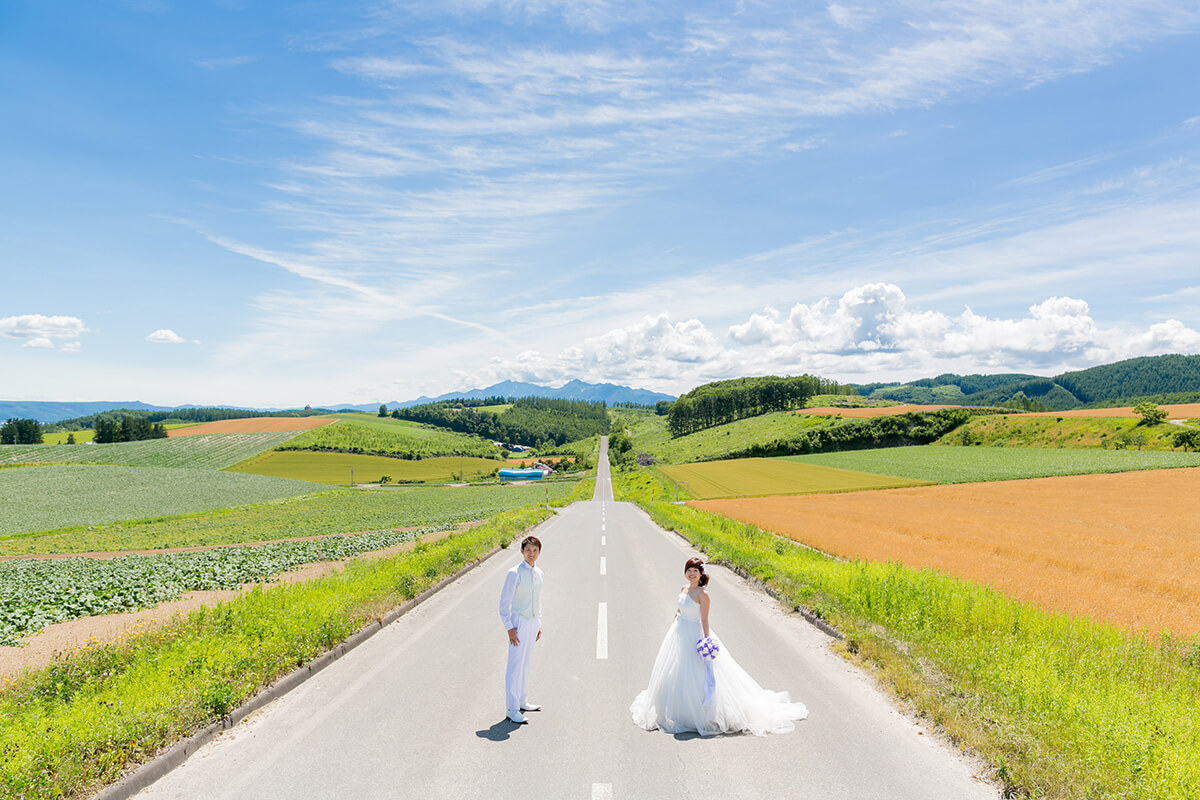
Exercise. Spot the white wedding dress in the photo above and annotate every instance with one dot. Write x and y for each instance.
(675, 699)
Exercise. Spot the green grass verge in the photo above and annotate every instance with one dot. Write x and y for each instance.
(343, 511)
(334, 468)
(78, 724)
(760, 477)
(1061, 707)
(207, 451)
(39, 498)
(972, 464)
(361, 433)
(1018, 430)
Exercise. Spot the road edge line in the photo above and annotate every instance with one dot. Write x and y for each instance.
(809, 615)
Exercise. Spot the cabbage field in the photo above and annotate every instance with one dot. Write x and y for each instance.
(37, 593)
(209, 451)
(342, 511)
(47, 497)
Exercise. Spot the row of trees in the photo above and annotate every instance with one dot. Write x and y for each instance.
(21, 431)
(726, 401)
(533, 421)
(900, 430)
(127, 429)
(176, 415)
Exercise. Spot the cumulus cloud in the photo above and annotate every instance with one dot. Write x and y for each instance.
(869, 333)
(165, 336)
(39, 331)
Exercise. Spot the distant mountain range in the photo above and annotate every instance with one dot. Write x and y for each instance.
(575, 390)
(1151, 377)
(610, 393)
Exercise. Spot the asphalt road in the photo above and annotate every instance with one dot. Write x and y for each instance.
(418, 711)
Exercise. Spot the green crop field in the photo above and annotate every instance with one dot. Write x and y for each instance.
(649, 433)
(336, 511)
(43, 498)
(334, 468)
(37, 593)
(208, 451)
(971, 464)
(367, 435)
(1117, 433)
(759, 477)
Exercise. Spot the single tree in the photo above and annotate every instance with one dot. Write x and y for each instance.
(70, 438)
(1150, 413)
(383, 411)
(1187, 438)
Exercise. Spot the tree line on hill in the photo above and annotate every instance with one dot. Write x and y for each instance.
(176, 415)
(899, 430)
(1163, 379)
(722, 402)
(531, 421)
(127, 429)
(21, 431)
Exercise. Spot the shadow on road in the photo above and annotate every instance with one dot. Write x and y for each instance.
(498, 732)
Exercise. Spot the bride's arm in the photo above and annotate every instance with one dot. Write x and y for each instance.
(704, 601)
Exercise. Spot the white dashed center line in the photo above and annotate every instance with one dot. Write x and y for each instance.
(602, 631)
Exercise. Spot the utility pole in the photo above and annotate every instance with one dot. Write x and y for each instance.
(352, 476)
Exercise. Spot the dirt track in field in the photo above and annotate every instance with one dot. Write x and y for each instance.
(62, 637)
(1178, 411)
(880, 411)
(252, 425)
(1122, 548)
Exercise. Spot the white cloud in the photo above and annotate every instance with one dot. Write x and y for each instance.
(165, 336)
(40, 331)
(71, 347)
(869, 333)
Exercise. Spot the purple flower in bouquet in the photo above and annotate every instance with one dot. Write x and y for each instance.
(707, 648)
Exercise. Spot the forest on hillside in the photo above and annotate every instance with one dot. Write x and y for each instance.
(531, 421)
(727, 401)
(1120, 383)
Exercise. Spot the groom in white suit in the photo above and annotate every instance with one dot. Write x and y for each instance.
(521, 612)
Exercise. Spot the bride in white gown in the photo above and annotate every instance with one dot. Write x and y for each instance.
(678, 700)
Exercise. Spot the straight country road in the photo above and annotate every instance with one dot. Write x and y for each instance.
(418, 710)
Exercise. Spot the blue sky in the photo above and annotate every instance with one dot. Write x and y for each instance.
(274, 204)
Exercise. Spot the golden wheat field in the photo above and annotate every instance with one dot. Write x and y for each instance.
(252, 425)
(1123, 548)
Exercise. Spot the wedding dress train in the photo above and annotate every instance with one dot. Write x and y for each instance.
(675, 699)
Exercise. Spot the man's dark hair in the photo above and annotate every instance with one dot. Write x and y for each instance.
(533, 540)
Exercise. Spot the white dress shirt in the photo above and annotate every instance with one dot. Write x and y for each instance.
(521, 595)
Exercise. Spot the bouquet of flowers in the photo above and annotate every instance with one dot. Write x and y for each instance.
(707, 648)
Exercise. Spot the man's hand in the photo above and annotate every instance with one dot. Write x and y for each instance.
(539, 638)
(512, 637)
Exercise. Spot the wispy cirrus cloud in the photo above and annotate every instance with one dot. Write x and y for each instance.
(463, 154)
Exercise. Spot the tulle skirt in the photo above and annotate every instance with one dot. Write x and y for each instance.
(675, 699)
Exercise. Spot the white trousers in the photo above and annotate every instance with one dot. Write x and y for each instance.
(516, 678)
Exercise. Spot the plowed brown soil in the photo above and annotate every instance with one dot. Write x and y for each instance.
(880, 411)
(1122, 548)
(1178, 411)
(253, 425)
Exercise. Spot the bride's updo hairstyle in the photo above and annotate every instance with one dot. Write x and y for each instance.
(695, 563)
